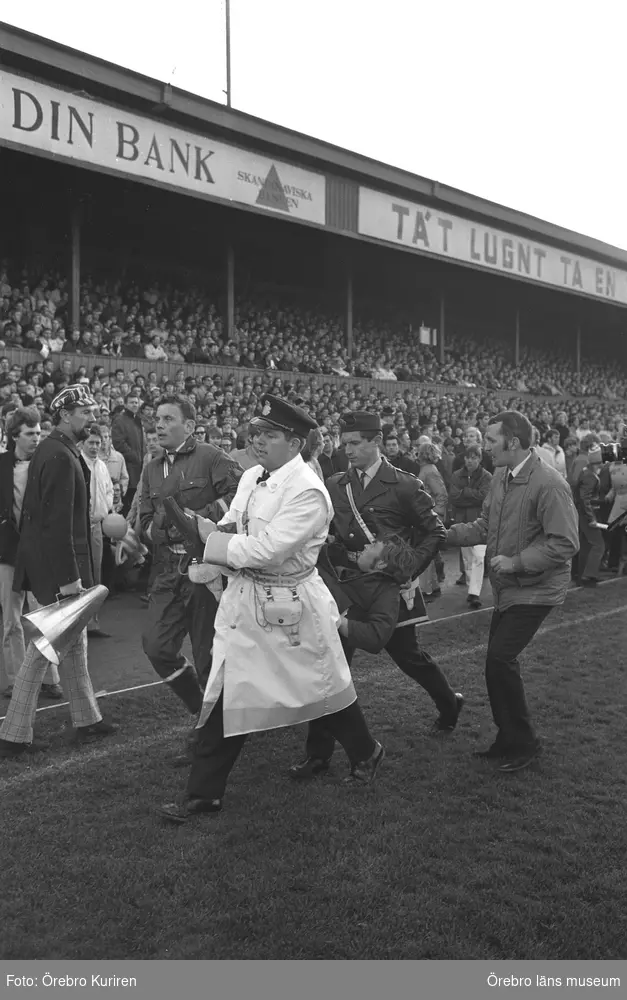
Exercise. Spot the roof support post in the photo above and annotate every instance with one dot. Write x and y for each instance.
(75, 262)
(517, 340)
(441, 331)
(349, 310)
(230, 292)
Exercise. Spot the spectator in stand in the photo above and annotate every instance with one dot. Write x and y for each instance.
(447, 461)
(561, 426)
(154, 351)
(472, 435)
(245, 454)
(214, 437)
(332, 458)
(586, 494)
(312, 449)
(571, 451)
(396, 458)
(428, 455)
(101, 494)
(23, 434)
(115, 464)
(469, 489)
(552, 453)
(200, 433)
(581, 460)
(127, 435)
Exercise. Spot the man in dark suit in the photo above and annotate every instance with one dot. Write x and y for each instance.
(331, 459)
(127, 434)
(384, 499)
(54, 557)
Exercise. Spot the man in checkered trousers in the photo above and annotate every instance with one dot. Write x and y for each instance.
(54, 557)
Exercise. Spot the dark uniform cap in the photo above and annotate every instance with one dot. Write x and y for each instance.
(360, 420)
(283, 416)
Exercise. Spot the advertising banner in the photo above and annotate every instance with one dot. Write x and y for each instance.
(46, 119)
(431, 231)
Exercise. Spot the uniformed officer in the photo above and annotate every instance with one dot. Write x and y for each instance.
(370, 499)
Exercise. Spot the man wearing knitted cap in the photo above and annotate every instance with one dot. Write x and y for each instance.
(277, 654)
(369, 500)
(54, 557)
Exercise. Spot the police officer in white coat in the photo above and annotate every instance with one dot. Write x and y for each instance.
(277, 655)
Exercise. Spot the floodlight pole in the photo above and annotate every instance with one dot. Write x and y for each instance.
(228, 52)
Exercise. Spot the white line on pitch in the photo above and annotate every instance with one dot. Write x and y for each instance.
(434, 621)
(99, 694)
(490, 607)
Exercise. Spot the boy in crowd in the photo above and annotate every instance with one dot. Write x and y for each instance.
(469, 488)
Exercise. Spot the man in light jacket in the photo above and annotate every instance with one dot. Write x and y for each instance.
(278, 657)
(100, 504)
(530, 526)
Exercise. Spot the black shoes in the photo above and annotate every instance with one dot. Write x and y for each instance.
(511, 760)
(365, 771)
(474, 602)
(10, 750)
(516, 762)
(461, 581)
(446, 721)
(182, 812)
(52, 692)
(187, 527)
(588, 581)
(494, 752)
(310, 768)
(98, 633)
(86, 734)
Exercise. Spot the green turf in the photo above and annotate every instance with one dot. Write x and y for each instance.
(444, 858)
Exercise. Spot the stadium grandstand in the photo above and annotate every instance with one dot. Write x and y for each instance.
(159, 232)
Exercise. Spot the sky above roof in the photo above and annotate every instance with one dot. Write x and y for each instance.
(517, 104)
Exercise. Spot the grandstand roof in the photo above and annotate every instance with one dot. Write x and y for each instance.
(53, 61)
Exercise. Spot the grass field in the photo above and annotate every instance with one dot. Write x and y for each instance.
(444, 858)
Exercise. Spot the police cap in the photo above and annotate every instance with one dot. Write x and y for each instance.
(360, 420)
(280, 414)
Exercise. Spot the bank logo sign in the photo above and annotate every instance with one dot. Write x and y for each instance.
(50, 121)
(430, 231)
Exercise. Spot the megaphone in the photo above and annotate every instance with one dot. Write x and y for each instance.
(55, 628)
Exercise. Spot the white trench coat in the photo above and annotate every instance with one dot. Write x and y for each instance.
(268, 683)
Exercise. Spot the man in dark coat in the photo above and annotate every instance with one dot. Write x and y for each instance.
(53, 557)
(203, 479)
(386, 500)
(23, 432)
(331, 459)
(127, 435)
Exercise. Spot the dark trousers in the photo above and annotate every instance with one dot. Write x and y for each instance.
(178, 607)
(215, 754)
(510, 632)
(127, 499)
(404, 649)
(591, 549)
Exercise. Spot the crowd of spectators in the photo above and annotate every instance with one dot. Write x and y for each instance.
(158, 322)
